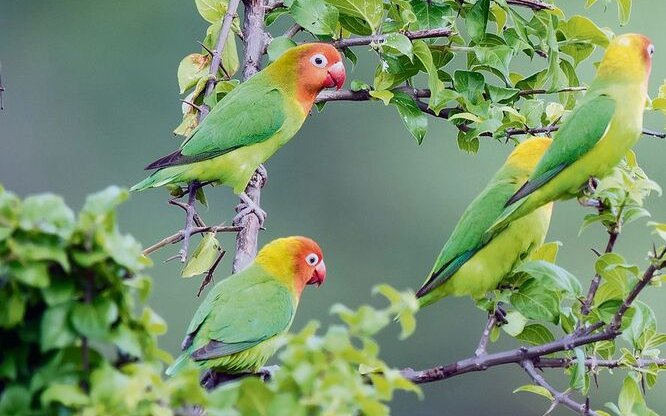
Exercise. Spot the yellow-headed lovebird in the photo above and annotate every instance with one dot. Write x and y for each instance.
(236, 326)
(470, 263)
(254, 120)
(597, 134)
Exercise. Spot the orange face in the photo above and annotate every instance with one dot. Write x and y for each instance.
(320, 66)
(309, 262)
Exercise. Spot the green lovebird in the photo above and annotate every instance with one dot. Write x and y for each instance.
(254, 120)
(236, 327)
(597, 134)
(470, 263)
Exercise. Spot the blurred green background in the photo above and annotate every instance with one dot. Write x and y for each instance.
(92, 97)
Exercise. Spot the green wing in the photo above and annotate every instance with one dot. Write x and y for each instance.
(468, 236)
(240, 314)
(250, 114)
(580, 133)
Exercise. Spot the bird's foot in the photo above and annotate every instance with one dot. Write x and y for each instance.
(261, 174)
(247, 207)
(500, 314)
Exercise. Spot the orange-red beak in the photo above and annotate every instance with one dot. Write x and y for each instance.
(318, 275)
(336, 76)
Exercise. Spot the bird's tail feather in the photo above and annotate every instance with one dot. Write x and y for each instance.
(183, 361)
(161, 177)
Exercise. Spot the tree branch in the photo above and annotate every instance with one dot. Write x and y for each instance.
(532, 4)
(254, 38)
(534, 353)
(593, 362)
(558, 397)
(177, 237)
(416, 93)
(2, 89)
(482, 349)
(219, 47)
(417, 34)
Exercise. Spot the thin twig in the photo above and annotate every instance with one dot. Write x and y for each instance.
(592, 362)
(293, 30)
(558, 397)
(209, 274)
(613, 233)
(219, 46)
(2, 89)
(482, 349)
(175, 238)
(440, 32)
(532, 4)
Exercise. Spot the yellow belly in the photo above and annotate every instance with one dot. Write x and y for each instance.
(488, 267)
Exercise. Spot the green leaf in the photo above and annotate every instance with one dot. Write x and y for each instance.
(536, 302)
(530, 388)
(15, 400)
(37, 248)
(516, 323)
(546, 252)
(55, 331)
(31, 274)
(424, 56)
(415, 120)
(67, 394)
(278, 46)
(630, 395)
(125, 250)
(315, 16)
(551, 276)
(127, 340)
(431, 14)
(398, 42)
(583, 29)
(384, 95)
(211, 10)
(371, 11)
(469, 84)
(192, 68)
(203, 256)
(501, 94)
(624, 11)
(495, 57)
(536, 334)
(477, 20)
(577, 380)
(94, 319)
(47, 213)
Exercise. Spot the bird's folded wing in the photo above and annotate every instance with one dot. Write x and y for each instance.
(579, 133)
(253, 314)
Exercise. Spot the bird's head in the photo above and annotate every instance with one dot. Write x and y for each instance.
(628, 58)
(309, 68)
(296, 260)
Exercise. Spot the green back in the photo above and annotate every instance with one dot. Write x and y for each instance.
(579, 133)
(240, 312)
(468, 236)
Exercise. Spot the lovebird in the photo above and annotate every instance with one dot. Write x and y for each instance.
(236, 327)
(597, 134)
(249, 124)
(470, 263)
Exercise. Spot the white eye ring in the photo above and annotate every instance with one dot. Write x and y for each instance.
(312, 259)
(318, 60)
(650, 50)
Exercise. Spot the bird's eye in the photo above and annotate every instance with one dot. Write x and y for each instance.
(319, 60)
(312, 259)
(650, 50)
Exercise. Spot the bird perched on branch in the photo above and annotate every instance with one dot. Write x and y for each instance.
(470, 263)
(236, 327)
(249, 124)
(596, 135)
